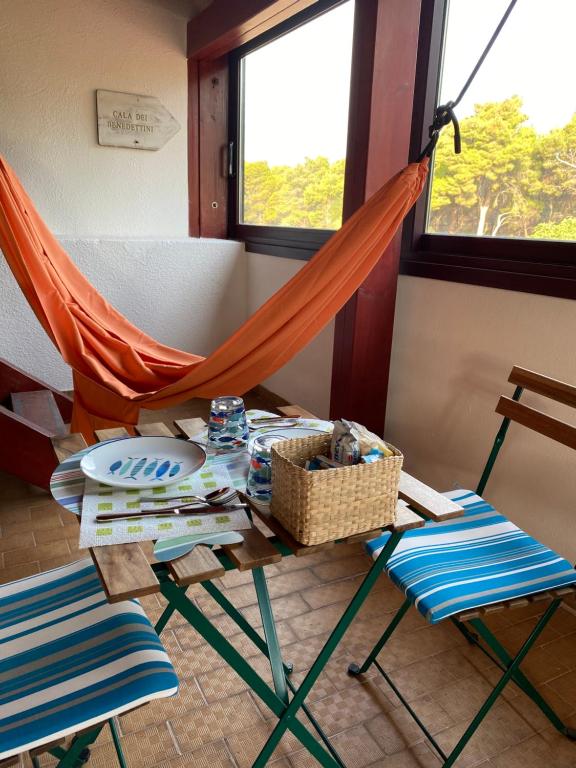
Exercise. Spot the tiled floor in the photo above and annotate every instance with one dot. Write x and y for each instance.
(215, 722)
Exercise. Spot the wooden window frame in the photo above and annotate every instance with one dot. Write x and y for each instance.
(289, 242)
(380, 115)
(532, 266)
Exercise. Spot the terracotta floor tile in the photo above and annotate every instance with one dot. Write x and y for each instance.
(326, 594)
(57, 562)
(342, 568)
(420, 755)
(502, 728)
(221, 683)
(284, 607)
(237, 578)
(565, 686)
(356, 747)
(215, 721)
(338, 552)
(321, 620)
(145, 748)
(536, 752)
(21, 541)
(463, 698)
(215, 755)
(564, 620)
(322, 687)
(347, 708)
(38, 552)
(245, 746)
(18, 572)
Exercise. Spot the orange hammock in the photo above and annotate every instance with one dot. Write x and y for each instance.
(118, 369)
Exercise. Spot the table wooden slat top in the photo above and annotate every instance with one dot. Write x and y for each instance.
(126, 572)
(67, 445)
(190, 427)
(426, 500)
(158, 429)
(199, 565)
(112, 433)
(254, 552)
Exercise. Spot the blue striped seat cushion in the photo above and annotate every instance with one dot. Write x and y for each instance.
(70, 659)
(471, 561)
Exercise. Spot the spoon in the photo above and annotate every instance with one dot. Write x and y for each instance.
(170, 549)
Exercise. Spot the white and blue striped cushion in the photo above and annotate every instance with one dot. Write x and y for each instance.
(471, 561)
(69, 659)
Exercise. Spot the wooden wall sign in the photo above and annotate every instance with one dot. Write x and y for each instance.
(134, 121)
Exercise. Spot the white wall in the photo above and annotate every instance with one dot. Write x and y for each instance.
(188, 293)
(54, 54)
(306, 379)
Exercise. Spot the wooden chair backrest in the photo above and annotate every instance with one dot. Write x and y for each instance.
(556, 429)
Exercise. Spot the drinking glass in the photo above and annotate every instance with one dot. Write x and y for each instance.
(227, 426)
(259, 484)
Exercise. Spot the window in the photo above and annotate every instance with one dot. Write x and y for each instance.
(289, 130)
(503, 212)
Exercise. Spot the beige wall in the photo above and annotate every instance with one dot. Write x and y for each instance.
(54, 54)
(454, 346)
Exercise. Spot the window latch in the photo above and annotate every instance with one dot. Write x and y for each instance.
(231, 165)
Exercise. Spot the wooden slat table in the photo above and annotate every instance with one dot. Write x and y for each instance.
(126, 572)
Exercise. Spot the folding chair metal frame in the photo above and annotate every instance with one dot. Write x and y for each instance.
(470, 623)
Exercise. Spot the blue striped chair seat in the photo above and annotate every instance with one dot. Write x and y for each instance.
(472, 561)
(69, 659)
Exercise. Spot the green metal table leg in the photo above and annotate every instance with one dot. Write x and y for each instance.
(239, 664)
(289, 716)
(251, 633)
(274, 653)
(167, 614)
(499, 687)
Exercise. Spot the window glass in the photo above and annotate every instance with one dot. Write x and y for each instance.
(293, 124)
(516, 176)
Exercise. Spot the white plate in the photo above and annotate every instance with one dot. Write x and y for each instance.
(292, 433)
(143, 462)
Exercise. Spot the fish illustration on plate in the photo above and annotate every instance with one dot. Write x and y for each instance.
(162, 469)
(175, 469)
(151, 467)
(126, 466)
(114, 466)
(138, 467)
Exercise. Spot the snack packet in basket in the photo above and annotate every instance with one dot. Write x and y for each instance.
(353, 443)
(345, 445)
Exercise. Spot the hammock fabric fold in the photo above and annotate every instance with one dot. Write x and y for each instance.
(118, 368)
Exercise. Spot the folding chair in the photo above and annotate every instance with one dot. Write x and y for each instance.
(70, 661)
(456, 568)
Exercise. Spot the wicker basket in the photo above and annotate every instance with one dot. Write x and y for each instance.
(328, 504)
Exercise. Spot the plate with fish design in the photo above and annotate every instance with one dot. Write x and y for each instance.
(143, 462)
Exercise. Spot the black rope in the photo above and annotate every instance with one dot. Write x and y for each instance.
(444, 113)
